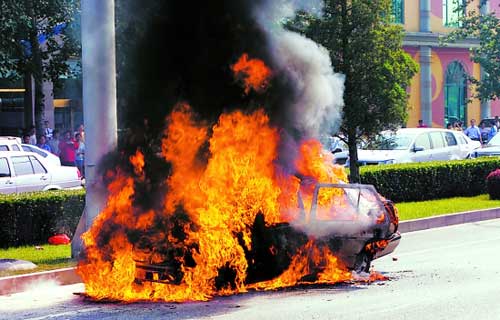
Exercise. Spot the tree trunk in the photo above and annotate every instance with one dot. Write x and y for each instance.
(353, 158)
(28, 101)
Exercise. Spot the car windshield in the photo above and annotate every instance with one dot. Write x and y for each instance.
(390, 141)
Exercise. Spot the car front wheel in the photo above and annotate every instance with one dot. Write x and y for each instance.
(363, 262)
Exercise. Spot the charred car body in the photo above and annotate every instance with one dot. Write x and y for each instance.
(358, 227)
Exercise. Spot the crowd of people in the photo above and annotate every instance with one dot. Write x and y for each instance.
(482, 133)
(70, 148)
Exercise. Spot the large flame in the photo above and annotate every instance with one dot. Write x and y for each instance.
(202, 232)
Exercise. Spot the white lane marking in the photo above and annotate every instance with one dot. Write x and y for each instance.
(67, 313)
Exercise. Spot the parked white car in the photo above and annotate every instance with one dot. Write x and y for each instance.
(10, 143)
(22, 171)
(44, 153)
(417, 145)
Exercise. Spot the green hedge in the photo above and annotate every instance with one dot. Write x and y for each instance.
(430, 180)
(31, 218)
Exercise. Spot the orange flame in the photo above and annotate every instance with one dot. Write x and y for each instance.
(216, 201)
(253, 73)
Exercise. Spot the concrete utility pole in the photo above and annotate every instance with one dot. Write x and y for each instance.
(99, 103)
(486, 104)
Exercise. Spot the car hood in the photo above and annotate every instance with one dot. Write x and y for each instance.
(380, 155)
(488, 150)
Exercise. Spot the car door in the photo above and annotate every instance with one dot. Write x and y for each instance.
(452, 148)
(439, 151)
(7, 181)
(422, 141)
(30, 177)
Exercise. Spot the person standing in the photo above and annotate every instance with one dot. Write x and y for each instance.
(493, 130)
(32, 134)
(421, 124)
(54, 143)
(473, 131)
(80, 154)
(67, 150)
(42, 143)
(47, 131)
(81, 131)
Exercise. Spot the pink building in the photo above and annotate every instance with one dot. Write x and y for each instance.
(439, 92)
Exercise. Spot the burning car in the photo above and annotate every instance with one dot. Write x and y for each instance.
(357, 226)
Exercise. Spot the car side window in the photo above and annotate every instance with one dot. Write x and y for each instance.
(4, 168)
(4, 148)
(37, 166)
(423, 141)
(22, 165)
(437, 140)
(450, 139)
(15, 147)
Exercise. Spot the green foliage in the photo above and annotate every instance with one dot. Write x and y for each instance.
(31, 218)
(486, 29)
(367, 48)
(430, 208)
(21, 54)
(430, 180)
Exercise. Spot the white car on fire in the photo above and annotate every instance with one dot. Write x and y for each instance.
(417, 145)
(26, 171)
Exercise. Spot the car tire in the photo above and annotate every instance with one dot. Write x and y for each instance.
(363, 262)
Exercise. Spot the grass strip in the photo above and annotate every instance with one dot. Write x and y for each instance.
(425, 209)
(46, 257)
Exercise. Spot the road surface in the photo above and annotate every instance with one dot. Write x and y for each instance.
(445, 273)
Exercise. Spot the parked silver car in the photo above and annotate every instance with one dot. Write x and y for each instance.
(26, 171)
(417, 145)
(492, 148)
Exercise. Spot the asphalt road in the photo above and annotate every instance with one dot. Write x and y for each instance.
(445, 273)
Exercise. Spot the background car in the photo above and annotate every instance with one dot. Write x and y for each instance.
(10, 144)
(417, 145)
(44, 153)
(22, 171)
(491, 149)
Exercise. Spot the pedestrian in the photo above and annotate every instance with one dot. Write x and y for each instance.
(42, 143)
(48, 131)
(484, 132)
(26, 138)
(449, 126)
(421, 124)
(458, 126)
(81, 130)
(67, 150)
(473, 132)
(493, 130)
(80, 154)
(54, 143)
(32, 133)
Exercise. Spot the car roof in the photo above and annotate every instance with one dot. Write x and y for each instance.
(420, 130)
(16, 153)
(10, 138)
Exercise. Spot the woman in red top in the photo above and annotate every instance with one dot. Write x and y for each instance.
(67, 150)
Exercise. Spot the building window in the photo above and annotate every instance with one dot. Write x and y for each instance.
(452, 11)
(398, 11)
(455, 93)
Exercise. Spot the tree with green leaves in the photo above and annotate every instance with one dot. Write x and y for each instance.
(366, 47)
(486, 29)
(36, 40)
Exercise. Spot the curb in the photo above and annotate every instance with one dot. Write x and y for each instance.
(13, 284)
(20, 283)
(448, 220)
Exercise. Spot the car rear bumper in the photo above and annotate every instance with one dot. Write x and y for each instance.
(391, 246)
